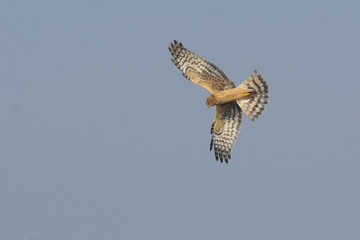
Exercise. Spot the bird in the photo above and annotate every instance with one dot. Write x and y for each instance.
(250, 97)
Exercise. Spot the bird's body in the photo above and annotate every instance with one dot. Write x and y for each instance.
(229, 100)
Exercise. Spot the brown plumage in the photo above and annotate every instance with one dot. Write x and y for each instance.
(250, 96)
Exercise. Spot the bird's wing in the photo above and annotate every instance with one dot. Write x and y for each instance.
(225, 130)
(199, 70)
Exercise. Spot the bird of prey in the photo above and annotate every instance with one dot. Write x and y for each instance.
(250, 97)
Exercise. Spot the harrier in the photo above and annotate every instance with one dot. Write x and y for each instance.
(250, 96)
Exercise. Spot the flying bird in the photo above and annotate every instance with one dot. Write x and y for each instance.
(250, 97)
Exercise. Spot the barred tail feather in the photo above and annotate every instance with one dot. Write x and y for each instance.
(254, 106)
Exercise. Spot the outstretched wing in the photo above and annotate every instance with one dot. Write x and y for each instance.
(199, 70)
(225, 130)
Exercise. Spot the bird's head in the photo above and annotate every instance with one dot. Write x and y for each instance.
(210, 101)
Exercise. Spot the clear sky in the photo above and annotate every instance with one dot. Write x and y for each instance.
(101, 137)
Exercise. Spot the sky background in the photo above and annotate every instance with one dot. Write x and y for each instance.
(101, 137)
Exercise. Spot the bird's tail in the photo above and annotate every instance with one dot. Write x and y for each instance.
(254, 106)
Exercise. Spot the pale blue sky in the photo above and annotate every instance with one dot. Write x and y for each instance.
(101, 137)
